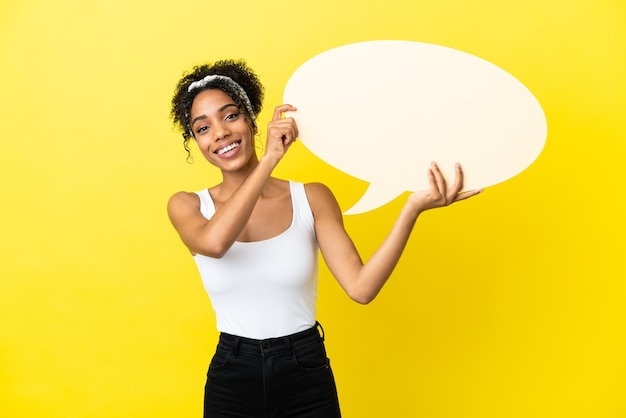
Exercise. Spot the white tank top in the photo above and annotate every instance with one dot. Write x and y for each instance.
(268, 288)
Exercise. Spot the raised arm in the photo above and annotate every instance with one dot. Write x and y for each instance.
(363, 281)
(214, 237)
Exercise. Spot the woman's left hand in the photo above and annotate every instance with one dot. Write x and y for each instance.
(281, 133)
(439, 194)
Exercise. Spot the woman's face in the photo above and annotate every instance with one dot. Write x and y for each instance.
(221, 131)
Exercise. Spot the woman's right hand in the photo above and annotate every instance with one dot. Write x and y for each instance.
(281, 133)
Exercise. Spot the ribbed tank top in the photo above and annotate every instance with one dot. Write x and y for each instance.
(265, 289)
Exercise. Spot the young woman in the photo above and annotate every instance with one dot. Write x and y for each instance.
(255, 240)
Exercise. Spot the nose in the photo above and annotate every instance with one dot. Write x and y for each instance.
(220, 131)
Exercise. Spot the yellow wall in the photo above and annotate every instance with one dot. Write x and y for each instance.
(508, 305)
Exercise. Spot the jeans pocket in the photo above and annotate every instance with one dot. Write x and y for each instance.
(311, 356)
(219, 358)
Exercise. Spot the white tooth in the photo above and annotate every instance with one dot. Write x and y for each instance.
(227, 148)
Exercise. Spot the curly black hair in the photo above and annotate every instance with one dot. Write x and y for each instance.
(237, 70)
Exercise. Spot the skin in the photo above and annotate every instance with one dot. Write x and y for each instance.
(251, 205)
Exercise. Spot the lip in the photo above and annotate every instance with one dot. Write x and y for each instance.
(216, 152)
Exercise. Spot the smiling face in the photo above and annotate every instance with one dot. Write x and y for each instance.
(222, 131)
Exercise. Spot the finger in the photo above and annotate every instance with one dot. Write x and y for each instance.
(441, 182)
(288, 138)
(296, 133)
(277, 113)
(432, 182)
(458, 181)
(467, 195)
(289, 129)
(279, 110)
(291, 126)
(284, 129)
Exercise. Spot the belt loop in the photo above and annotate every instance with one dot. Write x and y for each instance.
(289, 344)
(236, 343)
(318, 325)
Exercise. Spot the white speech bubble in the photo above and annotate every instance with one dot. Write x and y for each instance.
(381, 111)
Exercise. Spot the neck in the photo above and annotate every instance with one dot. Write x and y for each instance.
(231, 180)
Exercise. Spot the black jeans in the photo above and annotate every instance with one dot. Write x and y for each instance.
(279, 377)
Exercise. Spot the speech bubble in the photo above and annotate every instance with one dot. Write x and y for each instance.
(381, 111)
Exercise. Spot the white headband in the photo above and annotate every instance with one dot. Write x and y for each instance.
(238, 89)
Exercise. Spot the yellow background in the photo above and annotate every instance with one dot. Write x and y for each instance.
(508, 305)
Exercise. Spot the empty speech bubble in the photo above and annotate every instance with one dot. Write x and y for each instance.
(381, 111)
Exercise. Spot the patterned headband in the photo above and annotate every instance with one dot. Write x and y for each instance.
(231, 83)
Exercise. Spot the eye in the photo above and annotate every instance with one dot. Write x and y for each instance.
(202, 129)
(233, 116)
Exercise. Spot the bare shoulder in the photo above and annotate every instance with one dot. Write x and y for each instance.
(321, 199)
(182, 202)
(318, 192)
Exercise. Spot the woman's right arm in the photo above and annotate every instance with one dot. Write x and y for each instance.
(214, 237)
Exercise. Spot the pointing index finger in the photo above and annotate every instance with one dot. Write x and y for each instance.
(279, 110)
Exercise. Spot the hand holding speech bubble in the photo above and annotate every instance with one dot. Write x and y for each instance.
(381, 111)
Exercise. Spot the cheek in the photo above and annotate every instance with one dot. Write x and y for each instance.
(203, 145)
(251, 124)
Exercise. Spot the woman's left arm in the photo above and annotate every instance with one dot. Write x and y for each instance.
(363, 281)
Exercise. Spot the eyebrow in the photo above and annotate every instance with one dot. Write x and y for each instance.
(220, 110)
